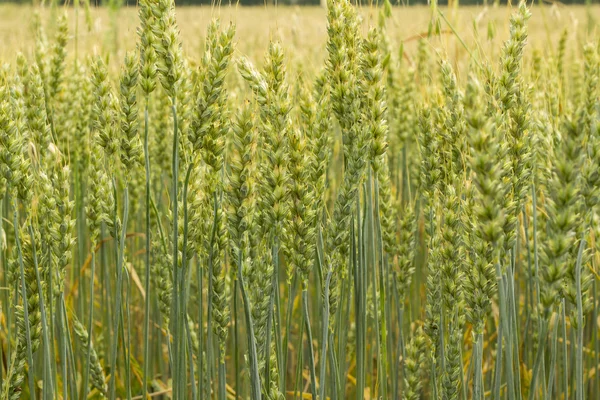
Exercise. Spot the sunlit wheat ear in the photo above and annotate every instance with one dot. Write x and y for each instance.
(486, 209)
(62, 232)
(41, 44)
(147, 48)
(513, 95)
(56, 74)
(130, 143)
(35, 109)
(104, 113)
(303, 216)
(240, 188)
(212, 97)
(430, 185)
(345, 54)
(167, 46)
(13, 144)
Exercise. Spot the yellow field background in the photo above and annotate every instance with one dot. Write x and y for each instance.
(302, 30)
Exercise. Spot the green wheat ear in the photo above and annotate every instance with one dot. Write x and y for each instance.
(57, 61)
(130, 143)
(415, 366)
(104, 110)
(98, 378)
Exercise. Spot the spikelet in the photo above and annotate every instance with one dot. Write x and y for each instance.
(275, 108)
(451, 257)
(167, 46)
(48, 213)
(103, 114)
(374, 107)
(453, 127)
(414, 365)
(147, 45)
(41, 45)
(220, 285)
(270, 91)
(99, 199)
(303, 219)
(205, 132)
(560, 223)
(452, 369)
(515, 109)
(406, 250)
(98, 378)
(57, 62)
(65, 237)
(318, 129)
(161, 136)
(131, 146)
(560, 61)
(161, 266)
(35, 110)
(430, 186)
(241, 185)
(207, 135)
(14, 163)
(344, 76)
(487, 172)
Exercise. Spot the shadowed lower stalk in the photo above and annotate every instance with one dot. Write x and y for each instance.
(89, 326)
(119, 288)
(553, 352)
(503, 325)
(324, 339)
(497, 378)
(146, 259)
(540, 354)
(564, 377)
(311, 356)
(382, 292)
(288, 326)
(579, 391)
(273, 313)
(24, 296)
(179, 373)
(200, 330)
(478, 367)
(68, 349)
(42, 307)
(254, 370)
(360, 287)
(182, 277)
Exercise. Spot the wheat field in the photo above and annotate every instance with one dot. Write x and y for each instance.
(274, 203)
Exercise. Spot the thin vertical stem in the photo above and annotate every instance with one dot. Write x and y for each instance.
(254, 371)
(579, 393)
(146, 259)
(90, 325)
(311, 356)
(324, 339)
(117, 315)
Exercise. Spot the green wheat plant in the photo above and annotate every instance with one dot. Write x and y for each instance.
(363, 202)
